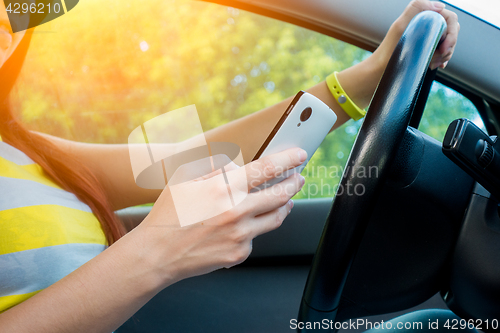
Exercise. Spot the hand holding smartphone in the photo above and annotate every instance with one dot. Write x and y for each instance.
(305, 124)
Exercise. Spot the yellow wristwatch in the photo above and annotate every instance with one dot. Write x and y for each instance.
(344, 101)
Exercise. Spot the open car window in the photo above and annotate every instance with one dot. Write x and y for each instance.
(96, 75)
(443, 106)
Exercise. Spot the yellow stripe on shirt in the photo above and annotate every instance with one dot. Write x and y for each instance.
(6, 302)
(32, 172)
(33, 227)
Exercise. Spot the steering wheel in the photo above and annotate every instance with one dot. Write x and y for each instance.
(376, 146)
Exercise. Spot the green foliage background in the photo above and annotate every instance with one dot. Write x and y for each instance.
(98, 72)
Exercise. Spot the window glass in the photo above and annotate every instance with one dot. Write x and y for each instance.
(443, 106)
(105, 68)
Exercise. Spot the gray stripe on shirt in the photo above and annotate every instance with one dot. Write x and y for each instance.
(32, 270)
(17, 193)
(14, 155)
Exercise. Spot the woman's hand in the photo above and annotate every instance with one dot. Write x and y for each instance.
(449, 40)
(178, 252)
(360, 80)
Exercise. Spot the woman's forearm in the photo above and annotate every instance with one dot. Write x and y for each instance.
(250, 132)
(111, 163)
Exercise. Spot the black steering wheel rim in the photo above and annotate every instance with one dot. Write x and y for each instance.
(376, 146)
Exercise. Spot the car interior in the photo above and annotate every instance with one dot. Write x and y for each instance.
(425, 233)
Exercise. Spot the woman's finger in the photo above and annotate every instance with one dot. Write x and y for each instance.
(271, 220)
(418, 6)
(447, 47)
(267, 168)
(270, 198)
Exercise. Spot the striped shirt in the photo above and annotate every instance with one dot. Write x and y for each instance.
(45, 231)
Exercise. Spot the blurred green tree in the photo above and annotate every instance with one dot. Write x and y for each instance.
(98, 72)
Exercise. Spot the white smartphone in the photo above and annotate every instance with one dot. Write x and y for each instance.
(305, 124)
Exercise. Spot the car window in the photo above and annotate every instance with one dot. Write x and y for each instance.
(443, 106)
(107, 67)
